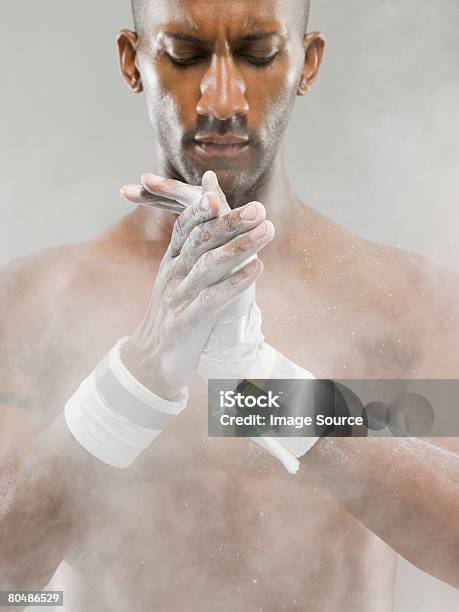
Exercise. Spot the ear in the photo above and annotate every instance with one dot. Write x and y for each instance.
(127, 54)
(314, 45)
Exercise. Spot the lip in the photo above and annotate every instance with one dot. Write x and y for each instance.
(211, 149)
(215, 145)
(219, 139)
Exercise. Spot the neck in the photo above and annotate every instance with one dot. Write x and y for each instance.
(274, 191)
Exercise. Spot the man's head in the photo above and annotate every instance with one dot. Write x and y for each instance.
(220, 78)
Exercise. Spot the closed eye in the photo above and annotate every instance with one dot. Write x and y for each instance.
(195, 59)
(186, 61)
(256, 60)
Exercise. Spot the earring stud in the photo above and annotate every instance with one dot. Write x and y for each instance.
(136, 83)
(304, 87)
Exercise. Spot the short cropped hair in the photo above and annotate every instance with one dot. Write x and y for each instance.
(139, 5)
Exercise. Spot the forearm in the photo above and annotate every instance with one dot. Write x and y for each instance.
(45, 491)
(405, 490)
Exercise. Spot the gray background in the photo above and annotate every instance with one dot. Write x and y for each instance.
(375, 146)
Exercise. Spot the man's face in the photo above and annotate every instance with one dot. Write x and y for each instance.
(220, 78)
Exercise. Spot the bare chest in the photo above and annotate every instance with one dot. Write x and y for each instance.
(196, 514)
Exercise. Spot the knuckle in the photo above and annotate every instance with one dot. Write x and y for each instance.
(181, 269)
(241, 244)
(208, 297)
(172, 323)
(235, 279)
(230, 221)
(168, 297)
(198, 237)
(186, 295)
(206, 262)
(180, 226)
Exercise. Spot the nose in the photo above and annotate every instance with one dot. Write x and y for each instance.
(222, 90)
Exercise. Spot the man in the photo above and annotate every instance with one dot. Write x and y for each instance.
(195, 523)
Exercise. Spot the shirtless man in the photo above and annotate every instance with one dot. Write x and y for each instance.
(219, 525)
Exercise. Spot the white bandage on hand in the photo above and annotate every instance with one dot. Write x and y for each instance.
(247, 356)
(113, 416)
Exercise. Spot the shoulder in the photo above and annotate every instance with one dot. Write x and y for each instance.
(415, 284)
(425, 297)
(35, 280)
(436, 319)
(31, 288)
(424, 287)
(379, 275)
(400, 293)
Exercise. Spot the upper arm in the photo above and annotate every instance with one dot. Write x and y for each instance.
(438, 327)
(438, 341)
(19, 393)
(19, 423)
(19, 414)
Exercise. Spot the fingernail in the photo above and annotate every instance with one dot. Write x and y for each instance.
(249, 213)
(259, 231)
(205, 203)
(129, 190)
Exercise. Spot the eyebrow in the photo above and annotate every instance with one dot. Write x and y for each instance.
(194, 39)
(185, 37)
(259, 35)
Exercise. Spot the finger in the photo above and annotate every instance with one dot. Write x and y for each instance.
(210, 183)
(216, 265)
(219, 231)
(172, 189)
(206, 208)
(137, 194)
(209, 302)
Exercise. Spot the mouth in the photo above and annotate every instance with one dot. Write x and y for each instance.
(214, 145)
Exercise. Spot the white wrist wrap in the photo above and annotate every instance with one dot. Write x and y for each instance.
(253, 358)
(113, 416)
